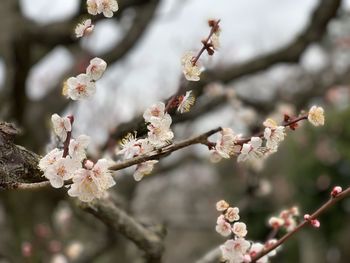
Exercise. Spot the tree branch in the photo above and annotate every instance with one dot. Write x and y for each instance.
(331, 202)
(147, 240)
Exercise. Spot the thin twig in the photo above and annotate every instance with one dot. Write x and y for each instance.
(332, 201)
(201, 139)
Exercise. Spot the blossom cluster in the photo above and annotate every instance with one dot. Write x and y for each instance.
(159, 133)
(237, 249)
(88, 180)
(105, 7)
(191, 66)
(262, 145)
(95, 7)
(84, 85)
(287, 219)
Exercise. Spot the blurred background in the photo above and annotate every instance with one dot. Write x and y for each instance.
(276, 57)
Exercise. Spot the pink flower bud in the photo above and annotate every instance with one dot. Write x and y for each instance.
(27, 249)
(315, 223)
(336, 191)
(88, 164)
(307, 217)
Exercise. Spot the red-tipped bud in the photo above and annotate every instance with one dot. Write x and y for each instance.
(336, 191)
(315, 223)
(71, 118)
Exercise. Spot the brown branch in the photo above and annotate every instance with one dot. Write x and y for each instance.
(331, 202)
(201, 139)
(147, 240)
(17, 165)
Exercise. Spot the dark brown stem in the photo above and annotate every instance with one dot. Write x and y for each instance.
(201, 139)
(155, 155)
(261, 134)
(331, 202)
(214, 28)
(69, 135)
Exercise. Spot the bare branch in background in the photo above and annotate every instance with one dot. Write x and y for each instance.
(147, 240)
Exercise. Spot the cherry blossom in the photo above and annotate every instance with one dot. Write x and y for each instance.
(274, 137)
(225, 145)
(239, 229)
(255, 249)
(92, 7)
(61, 125)
(156, 110)
(232, 214)
(96, 68)
(50, 158)
(186, 102)
(316, 116)
(159, 130)
(215, 39)
(143, 169)
(252, 149)
(60, 171)
(84, 28)
(234, 250)
(191, 72)
(90, 184)
(222, 205)
(77, 148)
(222, 226)
(130, 146)
(107, 7)
(80, 87)
(276, 222)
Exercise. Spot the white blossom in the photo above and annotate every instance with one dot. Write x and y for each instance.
(130, 146)
(255, 249)
(80, 87)
(90, 184)
(159, 130)
(96, 68)
(276, 222)
(60, 171)
(233, 250)
(107, 7)
(156, 110)
(143, 169)
(77, 147)
(215, 39)
(251, 150)
(239, 229)
(316, 116)
(50, 158)
(232, 214)
(222, 205)
(61, 125)
(274, 137)
(92, 7)
(84, 28)
(222, 226)
(225, 145)
(186, 102)
(191, 72)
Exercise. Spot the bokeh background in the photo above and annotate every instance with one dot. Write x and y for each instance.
(143, 45)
